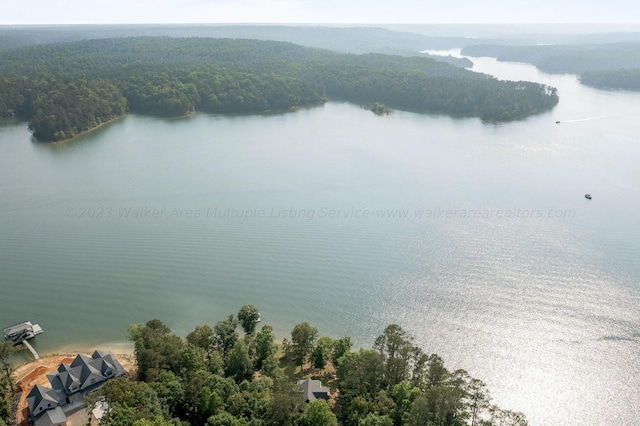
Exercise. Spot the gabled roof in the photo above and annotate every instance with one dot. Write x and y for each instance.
(70, 381)
(82, 375)
(55, 417)
(81, 359)
(41, 399)
(313, 389)
(100, 354)
(85, 372)
(107, 360)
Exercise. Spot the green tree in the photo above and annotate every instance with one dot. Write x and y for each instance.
(248, 317)
(422, 413)
(201, 337)
(130, 401)
(7, 386)
(361, 372)
(403, 395)
(500, 417)
(397, 350)
(225, 335)
(270, 366)
(6, 351)
(238, 363)
(225, 419)
(169, 389)
(286, 403)
(478, 398)
(192, 358)
(321, 353)
(156, 349)
(317, 413)
(341, 347)
(156, 421)
(374, 419)
(264, 345)
(436, 373)
(303, 338)
(355, 408)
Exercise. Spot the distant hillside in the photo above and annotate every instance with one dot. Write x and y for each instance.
(607, 66)
(66, 88)
(357, 40)
(574, 59)
(624, 79)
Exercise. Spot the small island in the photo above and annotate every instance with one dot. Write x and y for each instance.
(223, 376)
(379, 109)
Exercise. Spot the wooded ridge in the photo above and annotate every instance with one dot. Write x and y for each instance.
(66, 88)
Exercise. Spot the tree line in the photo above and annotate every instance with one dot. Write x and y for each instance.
(621, 79)
(7, 384)
(218, 376)
(602, 65)
(358, 40)
(67, 88)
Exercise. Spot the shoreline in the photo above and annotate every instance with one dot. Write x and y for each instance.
(124, 348)
(63, 141)
(24, 357)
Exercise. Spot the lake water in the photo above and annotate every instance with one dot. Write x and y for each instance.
(476, 238)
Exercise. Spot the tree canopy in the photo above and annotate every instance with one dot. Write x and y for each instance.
(602, 65)
(248, 316)
(7, 385)
(63, 89)
(394, 383)
(189, 381)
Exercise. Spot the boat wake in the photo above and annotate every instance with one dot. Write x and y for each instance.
(577, 120)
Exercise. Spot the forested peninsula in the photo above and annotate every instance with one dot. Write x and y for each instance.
(63, 89)
(221, 376)
(602, 65)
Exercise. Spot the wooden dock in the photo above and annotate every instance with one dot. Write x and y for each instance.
(33, 351)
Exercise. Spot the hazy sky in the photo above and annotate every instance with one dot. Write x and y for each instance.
(316, 11)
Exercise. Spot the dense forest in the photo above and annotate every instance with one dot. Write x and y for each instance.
(217, 377)
(7, 384)
(607, 66)
(567, 58)
(55, 87)
(622, 79)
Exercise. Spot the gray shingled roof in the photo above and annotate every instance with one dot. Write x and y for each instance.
(313, 389)
(53, 417)
(85, 372)
(82, 375)
(41, 399)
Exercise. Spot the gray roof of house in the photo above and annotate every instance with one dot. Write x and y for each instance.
(41, 399)
(83, 374)
(53, 417)
(313, 389)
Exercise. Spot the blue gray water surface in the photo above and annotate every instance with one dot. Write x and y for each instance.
(474, 237)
